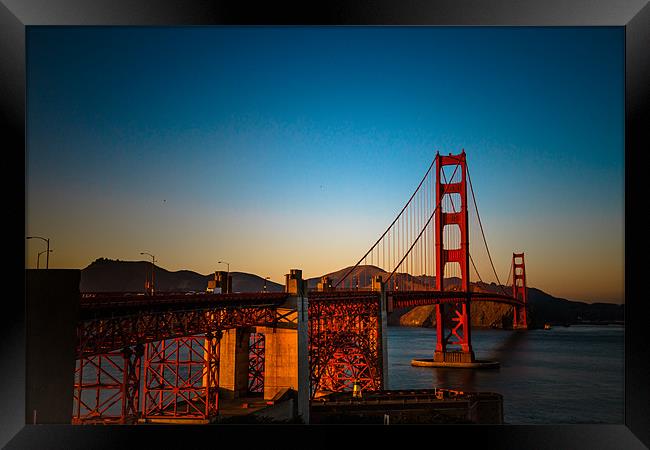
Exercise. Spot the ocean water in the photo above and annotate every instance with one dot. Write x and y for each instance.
(563, 375)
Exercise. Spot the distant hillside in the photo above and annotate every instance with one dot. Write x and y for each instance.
(106, 275)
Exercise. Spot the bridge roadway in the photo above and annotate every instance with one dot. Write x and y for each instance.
(111, 321)
(403, 299)
(111, 304)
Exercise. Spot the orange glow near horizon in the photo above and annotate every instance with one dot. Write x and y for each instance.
(566, 271)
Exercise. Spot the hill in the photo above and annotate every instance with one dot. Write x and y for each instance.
(106, 275)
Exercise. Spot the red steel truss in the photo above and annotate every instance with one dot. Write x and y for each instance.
(106, 387)
(345, 342)
(105, 334)
(181, 367)
(406, 299)
(519, 290)
(181, 378)
(456, 313)
(256, 363)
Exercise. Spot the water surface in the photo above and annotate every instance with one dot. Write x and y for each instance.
(563, 375)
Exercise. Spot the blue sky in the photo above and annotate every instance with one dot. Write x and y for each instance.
(281, 147)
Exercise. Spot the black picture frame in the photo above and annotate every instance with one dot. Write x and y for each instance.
(634, 15)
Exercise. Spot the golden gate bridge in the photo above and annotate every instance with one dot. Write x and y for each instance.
(170, 356)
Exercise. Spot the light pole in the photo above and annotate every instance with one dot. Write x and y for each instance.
(227, 275)
(153, 260)
(47, 260)
(266, 278)
(38, 260)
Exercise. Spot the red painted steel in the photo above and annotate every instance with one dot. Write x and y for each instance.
(344, 327)
(459, 312)
(344, 343)
(405, 299)
(106, 387)
(519, 290)
(115, 303)
(181, 378)
(256, 347)
(101, 335)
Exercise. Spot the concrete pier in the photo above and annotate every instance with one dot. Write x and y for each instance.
(286, 353)
(280, 360)
(233, 365)
(476, 364)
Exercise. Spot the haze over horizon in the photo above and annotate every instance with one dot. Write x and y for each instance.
(287, 147)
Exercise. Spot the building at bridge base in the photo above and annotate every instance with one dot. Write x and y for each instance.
(413, 406)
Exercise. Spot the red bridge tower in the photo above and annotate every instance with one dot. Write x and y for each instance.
(519, 291)
(459, 313)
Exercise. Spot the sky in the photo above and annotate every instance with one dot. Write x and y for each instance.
(295, 147)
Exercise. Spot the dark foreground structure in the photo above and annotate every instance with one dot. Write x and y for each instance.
(409, 407)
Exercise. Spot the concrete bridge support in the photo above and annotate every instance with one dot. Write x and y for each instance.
(378, 285)
(297, 369)
(233, 365)
(280, 360)
(286, 358)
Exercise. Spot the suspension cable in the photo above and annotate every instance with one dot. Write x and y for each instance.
(389, 227)
(481, 225)
(423, 228)
(475, 270)
(453, 206)
(413, 244)
(509, 273)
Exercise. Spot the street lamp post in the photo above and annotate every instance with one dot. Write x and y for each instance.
(227, 275)
(266, 278)
(47, 260)
(38, 260)
(153, 260)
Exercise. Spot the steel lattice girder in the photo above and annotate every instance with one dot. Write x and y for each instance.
(347, 367)
(458, 331)
(344, 344)
(256, 363)
(106, 387)
(419, 298)
(103, 335)
(181, 378)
